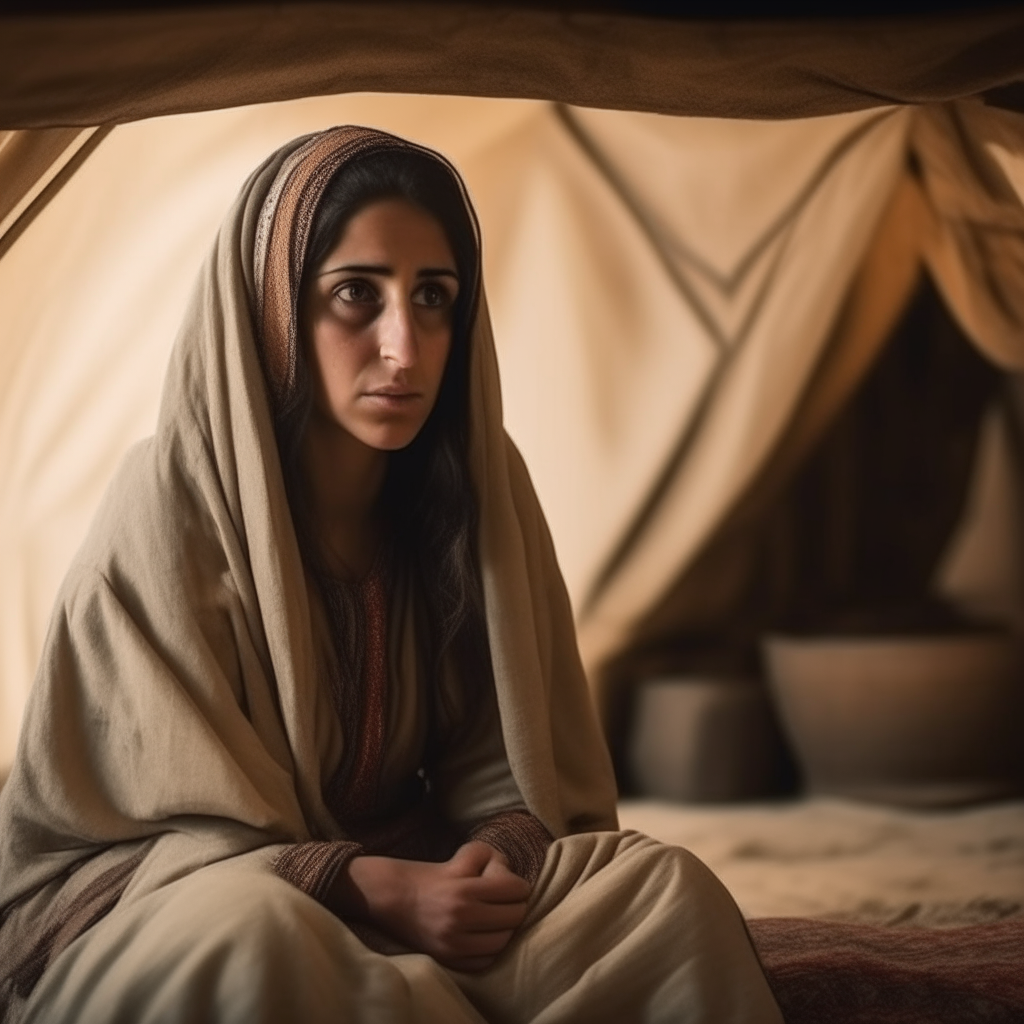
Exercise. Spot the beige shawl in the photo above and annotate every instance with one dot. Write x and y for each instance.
(174, 718)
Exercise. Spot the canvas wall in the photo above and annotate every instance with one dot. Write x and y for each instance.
(662, 291)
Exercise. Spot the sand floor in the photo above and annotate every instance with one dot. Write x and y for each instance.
(852, 861)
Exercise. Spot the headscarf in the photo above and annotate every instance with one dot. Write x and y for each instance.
(174, 717)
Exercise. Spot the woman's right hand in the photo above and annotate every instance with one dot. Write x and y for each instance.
(462, 911)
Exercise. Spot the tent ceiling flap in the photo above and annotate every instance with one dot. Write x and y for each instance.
(113, 67)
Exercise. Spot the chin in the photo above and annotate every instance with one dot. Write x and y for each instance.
(390, 440)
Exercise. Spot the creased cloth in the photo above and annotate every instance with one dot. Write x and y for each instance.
(179, 731)
(621, 929)
(973, 175)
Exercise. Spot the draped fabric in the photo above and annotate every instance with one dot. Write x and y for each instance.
(619, 928)
(179, 714)
(626, 253)
(97, 68)
(955, 213)
(972, 167)
(762, 297)
(958, 215)
(34, 165)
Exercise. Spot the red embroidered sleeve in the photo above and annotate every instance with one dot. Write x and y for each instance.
(313, 866)
(520, 837)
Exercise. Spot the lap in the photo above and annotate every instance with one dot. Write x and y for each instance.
(621, 928)
(230, 943)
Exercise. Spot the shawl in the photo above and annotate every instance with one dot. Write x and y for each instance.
(173, 721)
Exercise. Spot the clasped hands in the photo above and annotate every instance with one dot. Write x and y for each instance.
(462, 911)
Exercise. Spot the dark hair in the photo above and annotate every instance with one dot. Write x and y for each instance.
(428, 503)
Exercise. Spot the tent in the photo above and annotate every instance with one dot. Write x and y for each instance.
(698, 236)
(705, 237)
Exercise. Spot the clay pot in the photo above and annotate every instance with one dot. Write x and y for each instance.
(700, 739)
(918, 721)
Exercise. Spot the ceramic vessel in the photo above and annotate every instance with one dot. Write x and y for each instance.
(700, 739)
(922, 721)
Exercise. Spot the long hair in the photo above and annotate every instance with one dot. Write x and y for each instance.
(428, 504)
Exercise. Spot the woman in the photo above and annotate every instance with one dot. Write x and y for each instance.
(310, 739)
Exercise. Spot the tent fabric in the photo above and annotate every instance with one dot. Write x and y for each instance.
(626, 254)
(970, 239)
(706, 593)
(27, 159)
(972, 162)
(89, 69)
(34, 167)
(801, 242)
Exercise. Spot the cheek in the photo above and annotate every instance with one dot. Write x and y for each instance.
(339, 359)
(436, 357)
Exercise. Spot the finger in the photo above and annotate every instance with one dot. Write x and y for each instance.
(497, 865)
(498, 871)
(470, 859)
(497, 888)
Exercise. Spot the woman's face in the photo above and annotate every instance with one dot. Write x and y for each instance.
(377, 322)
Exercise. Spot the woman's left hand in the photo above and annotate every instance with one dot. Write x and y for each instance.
(462, 912)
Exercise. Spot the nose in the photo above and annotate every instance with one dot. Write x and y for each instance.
(398, 342)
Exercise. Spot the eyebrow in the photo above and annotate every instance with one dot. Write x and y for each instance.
(385, 271)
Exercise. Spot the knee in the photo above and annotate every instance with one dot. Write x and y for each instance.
(251, 911)
(659, 863)
(674, 865)
(659, 872)
(225, 943)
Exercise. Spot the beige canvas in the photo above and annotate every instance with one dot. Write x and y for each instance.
(610, 293)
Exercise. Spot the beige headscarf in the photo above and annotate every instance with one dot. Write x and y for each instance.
(173, 720)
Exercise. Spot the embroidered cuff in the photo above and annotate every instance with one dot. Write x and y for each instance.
(520, 837)
(312, 866)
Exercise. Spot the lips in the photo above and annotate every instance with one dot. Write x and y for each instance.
(392, 395)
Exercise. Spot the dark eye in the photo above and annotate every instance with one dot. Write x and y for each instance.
(431, 294)
(356, 291)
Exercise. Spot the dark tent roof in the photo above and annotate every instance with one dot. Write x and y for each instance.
(122, 60)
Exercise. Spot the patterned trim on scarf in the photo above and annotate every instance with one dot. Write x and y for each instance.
(82, 911)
